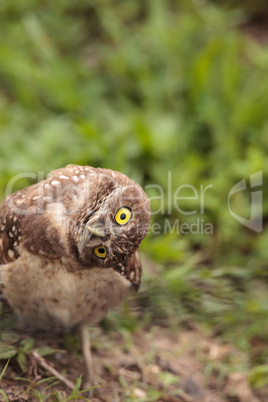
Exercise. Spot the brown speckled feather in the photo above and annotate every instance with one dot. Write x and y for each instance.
(60, 239)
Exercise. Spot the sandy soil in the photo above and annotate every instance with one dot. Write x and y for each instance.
(154, 364)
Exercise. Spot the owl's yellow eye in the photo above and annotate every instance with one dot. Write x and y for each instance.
(100, 251)
(123, 215)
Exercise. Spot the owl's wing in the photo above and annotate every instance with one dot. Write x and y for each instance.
(10, 235)
(131, 269)
(22, 228)
(36, 218)
(26, 222)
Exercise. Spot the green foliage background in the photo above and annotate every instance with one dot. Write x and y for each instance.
(149, 88)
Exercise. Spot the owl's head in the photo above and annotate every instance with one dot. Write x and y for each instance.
(111, 218)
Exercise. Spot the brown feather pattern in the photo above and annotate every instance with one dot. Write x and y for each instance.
(47, 248)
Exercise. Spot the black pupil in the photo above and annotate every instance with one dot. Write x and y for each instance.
(101, 250)
(123, 216)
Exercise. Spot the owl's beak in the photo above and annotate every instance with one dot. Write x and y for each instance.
(97, 231)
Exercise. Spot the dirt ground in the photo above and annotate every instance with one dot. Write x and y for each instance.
(154, 364)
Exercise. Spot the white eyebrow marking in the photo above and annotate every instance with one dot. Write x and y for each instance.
(132, 275)
(10, 253)
(55, 182)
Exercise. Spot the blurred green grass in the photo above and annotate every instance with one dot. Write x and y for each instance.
(147, 89)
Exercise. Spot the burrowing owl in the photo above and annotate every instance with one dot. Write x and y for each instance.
(68, 246)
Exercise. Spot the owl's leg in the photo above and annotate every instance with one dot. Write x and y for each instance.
(86, 350)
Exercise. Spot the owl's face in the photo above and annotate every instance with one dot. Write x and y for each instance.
(113, 221)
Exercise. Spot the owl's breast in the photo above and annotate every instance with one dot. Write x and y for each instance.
(47, 295)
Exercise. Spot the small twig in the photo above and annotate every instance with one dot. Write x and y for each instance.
(185, 397)
(52, 370)
(181, 397)
(32, 383)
